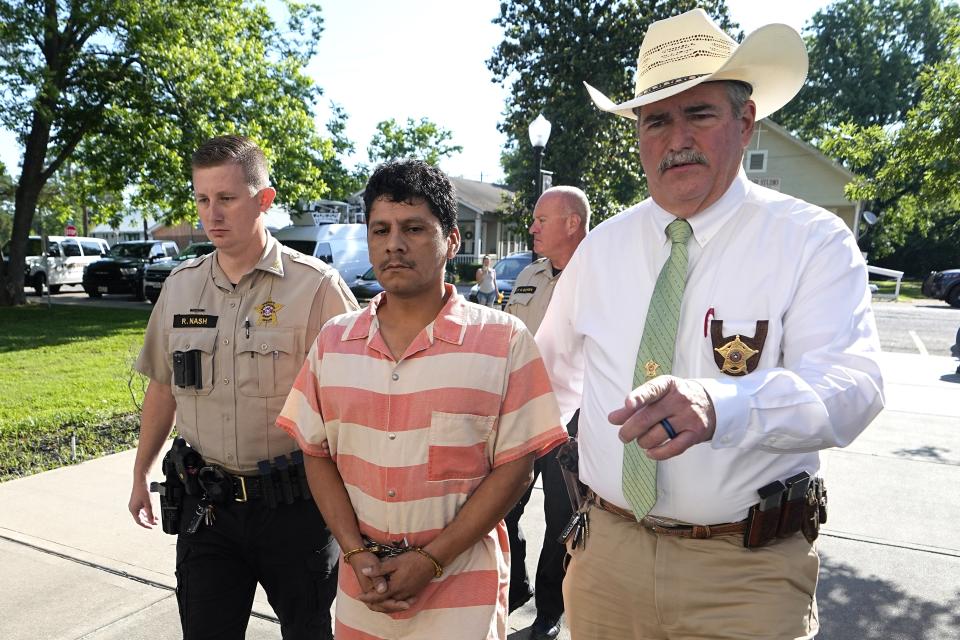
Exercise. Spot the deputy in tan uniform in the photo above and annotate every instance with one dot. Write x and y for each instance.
(560, 222)
(224, 343)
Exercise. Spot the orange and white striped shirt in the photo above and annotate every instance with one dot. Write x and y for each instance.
(413, 439)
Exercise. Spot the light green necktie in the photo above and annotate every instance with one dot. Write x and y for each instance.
(655, 358)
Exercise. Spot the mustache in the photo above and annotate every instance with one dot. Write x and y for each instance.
(395, 262)
(684, 156)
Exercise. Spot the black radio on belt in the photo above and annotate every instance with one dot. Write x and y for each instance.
(186, 369)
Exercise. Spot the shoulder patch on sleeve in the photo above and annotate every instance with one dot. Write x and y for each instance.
(308, 261)
(192, 263)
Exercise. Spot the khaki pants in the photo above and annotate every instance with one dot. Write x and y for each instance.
(629, 582)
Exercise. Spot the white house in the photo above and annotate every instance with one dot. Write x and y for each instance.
(779, 160)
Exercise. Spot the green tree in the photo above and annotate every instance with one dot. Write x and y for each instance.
(343, 182)
(865, 59)
(550, 47)
(916, 184)
(6, 205)
(128, 90)
(424, 140)
(77, 195)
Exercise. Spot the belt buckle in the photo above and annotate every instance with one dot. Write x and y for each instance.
(663, 523)
(243, 490)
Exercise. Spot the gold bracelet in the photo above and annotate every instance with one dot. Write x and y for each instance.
(353, 552)
(437, 567)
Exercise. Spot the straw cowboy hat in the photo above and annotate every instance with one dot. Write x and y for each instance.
(683, 51)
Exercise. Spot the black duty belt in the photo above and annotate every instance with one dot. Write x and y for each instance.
(248, 488)
(282, 481)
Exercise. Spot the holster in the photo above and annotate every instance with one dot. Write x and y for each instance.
(186, 463)
(814, 509)
(171, 492)
(787, 518)
(568, 458)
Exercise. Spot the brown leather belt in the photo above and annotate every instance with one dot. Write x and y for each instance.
(666, 527)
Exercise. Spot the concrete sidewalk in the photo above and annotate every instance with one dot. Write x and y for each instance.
(74, 565)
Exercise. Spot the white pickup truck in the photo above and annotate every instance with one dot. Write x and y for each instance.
(63, 263)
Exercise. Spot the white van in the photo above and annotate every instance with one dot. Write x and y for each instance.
(67, 257)
(343, 246)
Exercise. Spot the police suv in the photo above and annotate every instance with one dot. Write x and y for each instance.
(63, 263)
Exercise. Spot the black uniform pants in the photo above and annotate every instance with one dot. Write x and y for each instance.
(548, 591)
(288, 550)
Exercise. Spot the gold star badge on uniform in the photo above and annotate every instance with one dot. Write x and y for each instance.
(650, 369)
(268, 312)
(735, 355)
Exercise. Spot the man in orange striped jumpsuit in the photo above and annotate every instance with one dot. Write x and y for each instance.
(421, 416)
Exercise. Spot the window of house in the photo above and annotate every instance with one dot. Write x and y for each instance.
(757, 161)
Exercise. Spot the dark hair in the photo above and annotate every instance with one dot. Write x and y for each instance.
(410, 180)
(233, 149)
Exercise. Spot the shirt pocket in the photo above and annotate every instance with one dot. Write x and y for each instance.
(267, 363)
(739, 346)
(204, 341)
(457, 446)
(521, 297)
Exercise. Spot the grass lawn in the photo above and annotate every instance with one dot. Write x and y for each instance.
(67, 384)
(909, 289)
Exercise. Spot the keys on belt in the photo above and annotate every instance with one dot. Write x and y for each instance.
(578, 528)
(203, 514)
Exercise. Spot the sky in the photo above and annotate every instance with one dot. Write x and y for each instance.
(382, 59)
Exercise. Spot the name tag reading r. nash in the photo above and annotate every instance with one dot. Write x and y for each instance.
(181, 321)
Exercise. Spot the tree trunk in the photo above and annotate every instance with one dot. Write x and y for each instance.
(28, 193)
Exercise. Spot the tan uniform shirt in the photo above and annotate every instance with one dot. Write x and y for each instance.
(252, 339)
(532, 291)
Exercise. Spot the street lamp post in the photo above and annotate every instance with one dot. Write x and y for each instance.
(539, 131)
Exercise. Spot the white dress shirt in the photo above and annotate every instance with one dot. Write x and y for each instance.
(755, 254)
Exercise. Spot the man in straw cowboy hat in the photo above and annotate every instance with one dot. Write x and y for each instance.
(748, 345)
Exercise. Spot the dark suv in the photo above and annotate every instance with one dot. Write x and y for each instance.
(943, 285)
(121, 270)
(156, 274)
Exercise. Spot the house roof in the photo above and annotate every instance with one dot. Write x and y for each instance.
(484, 197)
(809, 148)
(130, 223)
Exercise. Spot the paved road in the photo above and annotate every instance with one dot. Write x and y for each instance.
(923, 327)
